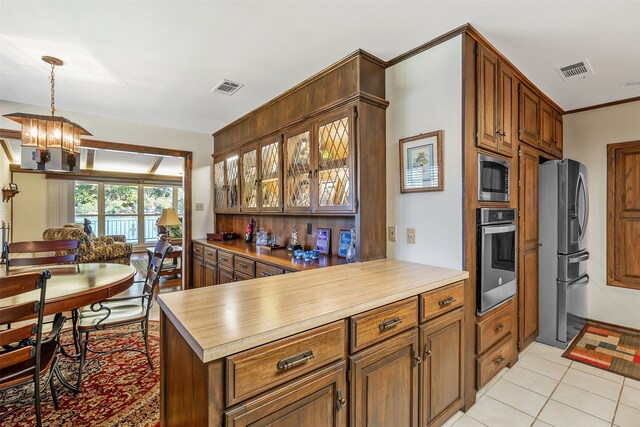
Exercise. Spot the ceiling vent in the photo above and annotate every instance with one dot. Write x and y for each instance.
(631, 83)
(227, 87)
(577, 71)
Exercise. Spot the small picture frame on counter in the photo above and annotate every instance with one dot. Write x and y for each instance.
(323, 241)
(344, 242)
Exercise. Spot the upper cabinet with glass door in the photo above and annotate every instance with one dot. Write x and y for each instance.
(260, 170)
(226, 183)
(319, 165)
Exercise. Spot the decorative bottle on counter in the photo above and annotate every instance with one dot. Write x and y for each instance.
(351, 251)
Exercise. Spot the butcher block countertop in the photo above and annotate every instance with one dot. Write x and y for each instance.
(221, 320)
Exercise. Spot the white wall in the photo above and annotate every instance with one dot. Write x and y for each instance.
(425, 95)
(140, 134)
(586, 136)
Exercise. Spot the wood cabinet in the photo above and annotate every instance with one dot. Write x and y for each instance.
(226, 183)
(319, 164)
(442, 370)
(225, 276)
(197, 274)
(497, 103)
(209, 274)
(529, 116)
(260, 169)
(557, 134)
(317, 399)
(384, 383)
(547, 127)
(528, 245)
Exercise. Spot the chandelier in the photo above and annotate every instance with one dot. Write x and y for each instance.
(49, 142)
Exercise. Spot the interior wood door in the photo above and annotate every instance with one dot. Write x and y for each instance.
(547, 125)
(316, 399)
(528, 246)
(197, 278)
(529, 117)
(507, 109)
(384, 383)
(623, 215)
(442, 370)
(487, 93)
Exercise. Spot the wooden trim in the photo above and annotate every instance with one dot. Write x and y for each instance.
(603, 105)
(187, 217)
(155, 164)
(10, 134)
(108, 145)
(8, 151)
(358, 53)
(428, 45)
(91, 158)
(103, 175)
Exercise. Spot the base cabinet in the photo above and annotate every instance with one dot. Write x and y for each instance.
(442, 370)
(224, 276)
(197, 275)
(209, 274)
(317, 399)
(384, 383)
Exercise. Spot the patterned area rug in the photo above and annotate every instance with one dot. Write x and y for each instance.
(609, 348)
(119, 389)
(141, 266)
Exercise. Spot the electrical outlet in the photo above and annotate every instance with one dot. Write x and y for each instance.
(411, 235)
(199, 206)
(391, 233)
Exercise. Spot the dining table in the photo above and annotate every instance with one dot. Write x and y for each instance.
(72, 287)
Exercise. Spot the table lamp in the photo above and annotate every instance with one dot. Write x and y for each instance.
(168, 218)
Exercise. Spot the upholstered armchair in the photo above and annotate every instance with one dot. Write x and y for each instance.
(111, 249)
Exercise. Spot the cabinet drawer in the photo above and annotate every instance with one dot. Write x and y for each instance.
(256, 370)
(495, 327)
(440, 301)
(376, 325)
(264, 270)
(197, 249)
(225, 259)
(239, 277)
(493, 361)
(244, 266)
(210, 254)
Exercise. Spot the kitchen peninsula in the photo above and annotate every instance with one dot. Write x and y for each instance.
(370, 337)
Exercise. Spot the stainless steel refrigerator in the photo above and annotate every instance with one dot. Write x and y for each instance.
(562, 267)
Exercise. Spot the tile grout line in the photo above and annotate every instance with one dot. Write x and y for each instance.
(613, 420)
(551, 394)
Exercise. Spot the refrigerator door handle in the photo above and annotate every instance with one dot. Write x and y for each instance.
(581, 185)
(580, 280)
(577, 259)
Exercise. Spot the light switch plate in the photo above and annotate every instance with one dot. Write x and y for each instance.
(199, 206)
(411, 235)
(391, 233)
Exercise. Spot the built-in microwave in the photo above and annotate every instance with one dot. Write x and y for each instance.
(493, 179)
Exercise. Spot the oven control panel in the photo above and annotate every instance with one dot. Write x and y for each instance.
(496, 215)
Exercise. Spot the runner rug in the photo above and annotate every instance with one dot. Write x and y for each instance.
(119, 389)
(607, 347)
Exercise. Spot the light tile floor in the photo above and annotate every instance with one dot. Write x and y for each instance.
(545, 389)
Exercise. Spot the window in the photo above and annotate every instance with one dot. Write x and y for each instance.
(128, 209)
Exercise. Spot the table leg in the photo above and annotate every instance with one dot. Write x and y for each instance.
(74, 320)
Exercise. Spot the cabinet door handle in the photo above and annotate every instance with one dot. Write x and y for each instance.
(416, 358)
(446, 301)
(499, 360)
(242, 265)
(315, 173)
(389, 323)
(427, 353)
(340, 401)
(208, 253)
(296, 360)
(499, 327)
(266, 274)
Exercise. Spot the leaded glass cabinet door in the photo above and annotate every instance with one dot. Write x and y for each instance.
(297, 170)
(269, 181)
(334, 175)
(232, 163)
(249, 167)
(218, 184)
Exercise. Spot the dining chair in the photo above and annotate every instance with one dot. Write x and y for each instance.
(121, 311)
(64, 252)
(24, 359)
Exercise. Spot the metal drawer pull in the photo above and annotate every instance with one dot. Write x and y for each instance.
(242, 265)
(266, 274)
(224, 259)
(499, 327)
(390, 323)
(285, 364)
(446, 301)
(499, 360)
(208, 253)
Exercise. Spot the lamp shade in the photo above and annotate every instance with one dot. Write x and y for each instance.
(169, 217)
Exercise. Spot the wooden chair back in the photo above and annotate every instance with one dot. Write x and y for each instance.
(66, 251)
(12, 286)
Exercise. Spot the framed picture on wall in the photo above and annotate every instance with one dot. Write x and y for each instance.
(323, 240)
(421, 163)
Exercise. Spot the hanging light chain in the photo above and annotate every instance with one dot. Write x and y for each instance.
(53, 82)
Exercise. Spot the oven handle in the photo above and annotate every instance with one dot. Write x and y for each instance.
(495, 229)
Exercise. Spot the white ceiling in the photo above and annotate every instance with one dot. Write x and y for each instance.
(156, 61)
